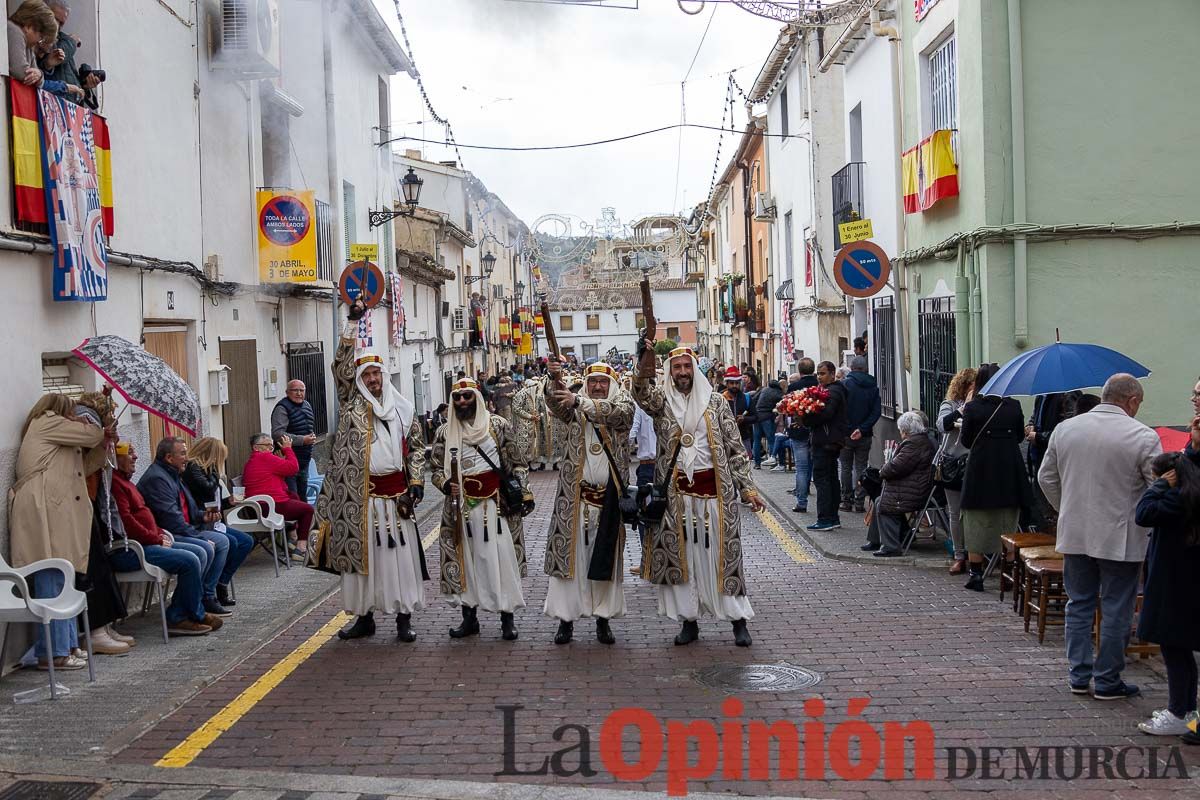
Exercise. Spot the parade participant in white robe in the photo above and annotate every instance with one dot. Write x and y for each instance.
(586, 544)
(364, 517)
(695, 557)
(484, 561)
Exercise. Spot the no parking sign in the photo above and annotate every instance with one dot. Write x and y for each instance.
(861, 269)
(287, 237)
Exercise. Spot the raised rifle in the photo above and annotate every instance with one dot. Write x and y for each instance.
(651, 329)
(551, 339)
(456, 500)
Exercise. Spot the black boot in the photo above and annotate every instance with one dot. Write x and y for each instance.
(565, 631)
(224, 596)
(508, 629)
(470, 624)
(689, 633)
(741, 635)
(975, 582)
(604, 634)
(404, 633)
(363, 626)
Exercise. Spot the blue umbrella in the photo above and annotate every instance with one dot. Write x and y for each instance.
(1061, 367)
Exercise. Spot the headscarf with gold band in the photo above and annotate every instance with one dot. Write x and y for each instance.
(604, 371)
(474, 431)
(688, 408)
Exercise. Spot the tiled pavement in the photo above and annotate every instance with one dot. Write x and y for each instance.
(911, 640)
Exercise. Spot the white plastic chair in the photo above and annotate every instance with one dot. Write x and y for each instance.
(249, 517)
(17, 604)
(146, 573)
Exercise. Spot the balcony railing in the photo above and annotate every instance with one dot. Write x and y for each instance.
(847, 197)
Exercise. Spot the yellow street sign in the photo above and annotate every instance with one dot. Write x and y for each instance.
(855, 231)
(364, 252)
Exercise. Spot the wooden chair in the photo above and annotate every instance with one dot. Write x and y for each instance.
(1045, 595)
(1011, 568)
(1136, 646)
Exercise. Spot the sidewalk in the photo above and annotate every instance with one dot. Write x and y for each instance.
(842, 544)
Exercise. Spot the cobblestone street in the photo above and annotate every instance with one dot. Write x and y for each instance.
(912, 641)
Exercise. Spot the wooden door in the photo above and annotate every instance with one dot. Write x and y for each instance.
(240, 415)
(170, 344)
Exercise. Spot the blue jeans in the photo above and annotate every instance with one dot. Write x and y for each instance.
(216, 546)
(763, 430)
(803, 463)
(1115, 582)
(180, 561)
(240, 545)
(64, 633)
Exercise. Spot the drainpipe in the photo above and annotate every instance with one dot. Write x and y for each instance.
(1020, 212)
(976, 309)
(331, 167)
(962, 319)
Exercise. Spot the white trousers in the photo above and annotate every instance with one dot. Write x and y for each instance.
(701, 595)
(393, 583)
(491, 571)
(569, 599)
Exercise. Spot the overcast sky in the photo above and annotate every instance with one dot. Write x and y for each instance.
(512, 73)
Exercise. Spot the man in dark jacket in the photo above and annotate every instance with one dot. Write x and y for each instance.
(176, 511)
(907, 481)
(828, 430)
(862, 412)
(764, 422)
(739, 404)
(798, 436)
(294, 416)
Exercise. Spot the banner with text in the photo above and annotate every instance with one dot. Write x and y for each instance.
(287, 236)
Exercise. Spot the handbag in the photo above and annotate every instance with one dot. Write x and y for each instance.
(511, 495)
(949, 471)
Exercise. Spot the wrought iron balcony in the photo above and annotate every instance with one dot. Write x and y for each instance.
(847, 197)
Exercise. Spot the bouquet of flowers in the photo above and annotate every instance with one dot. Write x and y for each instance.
(803, 401)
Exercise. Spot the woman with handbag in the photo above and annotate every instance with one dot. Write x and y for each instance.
(995, 486)
(951, 460)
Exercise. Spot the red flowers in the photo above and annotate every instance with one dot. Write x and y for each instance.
(802, 402)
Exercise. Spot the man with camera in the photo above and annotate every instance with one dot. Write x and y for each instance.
(695, 554)
(586, 544)
(483, 471)
(365, 527)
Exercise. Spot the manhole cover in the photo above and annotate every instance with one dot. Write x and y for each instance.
(48, 790)
(758, 677)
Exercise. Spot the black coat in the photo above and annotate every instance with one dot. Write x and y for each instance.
(205, 485)
(908, 477)
(995, 476)
(829, 426)
(1171, 607)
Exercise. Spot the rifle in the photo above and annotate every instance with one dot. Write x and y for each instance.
(551, 339)
(651, 329)
(456, 501)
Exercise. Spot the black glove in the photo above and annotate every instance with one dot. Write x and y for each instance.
(357, 309)
(417, 493)
(527, 508)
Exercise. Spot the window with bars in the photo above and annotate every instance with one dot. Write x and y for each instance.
(348, 206)
(325, 260)
(593, 322)
(788, 251)
(566, 322)
(306, 362)
(943, 87)
(938, 357)
(783, 111)
(883, 350)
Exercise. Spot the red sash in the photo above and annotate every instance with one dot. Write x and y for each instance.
(393, 484)
(703, 483)
(592, 495)
(482, 485)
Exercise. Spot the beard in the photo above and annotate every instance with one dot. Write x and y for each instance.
(683, 383)
(465, 413)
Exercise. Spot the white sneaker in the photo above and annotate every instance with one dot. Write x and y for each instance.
(769, 462)
(1166, 724)
(778, 468)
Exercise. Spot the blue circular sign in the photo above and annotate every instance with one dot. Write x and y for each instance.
(861, 269)
(284, 220)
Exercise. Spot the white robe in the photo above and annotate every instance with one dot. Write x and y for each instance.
(491, 571)
(393, 582)
(701, 595)
(569, 599)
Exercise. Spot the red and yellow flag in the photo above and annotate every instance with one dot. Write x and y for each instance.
(27, 154)
(502, 330)
(909, 180)
(104, 170)
(928, 172)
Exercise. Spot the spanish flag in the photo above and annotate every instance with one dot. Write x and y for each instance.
(104, 170)
(538, 322)
(502, 330)
(939, 173)
(909, 167)
(27, 154)
(537, 272)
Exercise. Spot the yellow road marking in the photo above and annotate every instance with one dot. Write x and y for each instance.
(786, 542)
(190, 748)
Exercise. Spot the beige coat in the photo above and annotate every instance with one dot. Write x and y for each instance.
(50, 515)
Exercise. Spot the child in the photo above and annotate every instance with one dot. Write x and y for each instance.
(1170, 615)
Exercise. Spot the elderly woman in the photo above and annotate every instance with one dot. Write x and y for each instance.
(907, 481)
(949, 414)
(266, 474)
(30, 28)
(51, 513)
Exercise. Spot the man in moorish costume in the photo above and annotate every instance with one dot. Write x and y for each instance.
(525, 418)
(551, 432)
(586, 545)
(695, 554)
(483, 556)
(364, 523)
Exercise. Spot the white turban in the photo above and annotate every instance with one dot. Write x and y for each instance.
(688, 408)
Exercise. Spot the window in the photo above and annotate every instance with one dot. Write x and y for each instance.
(856, 133)
(935, 343)
(673, 334)
(943, 87)
(348, 226)
(566, 322)
(788, 253)
(883, 351)
(591, 351)
(783, 111)
(593, 322)
(325, 260)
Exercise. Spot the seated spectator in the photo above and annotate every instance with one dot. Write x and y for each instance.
(176, 510)
(907, 481)
(204, 476)
(186, 615)
(266, 473)
(30, 27)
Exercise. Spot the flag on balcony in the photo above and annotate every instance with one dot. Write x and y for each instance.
(104, 171)
(909, 180)
(538, 322)
(396, 320)
(27, 154)
(536, 270)
(502, 330)
(928, 172)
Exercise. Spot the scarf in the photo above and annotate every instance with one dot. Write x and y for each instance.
(688, 409)
(393, 408)
(473, 432)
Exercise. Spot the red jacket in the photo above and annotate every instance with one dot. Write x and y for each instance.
(265, 473)
(135, 514)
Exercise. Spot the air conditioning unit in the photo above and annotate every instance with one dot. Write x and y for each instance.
(247, 43)
(764, 209)
(459, 322)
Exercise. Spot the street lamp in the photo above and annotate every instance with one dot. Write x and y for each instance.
(489, 264)
(410, 186)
